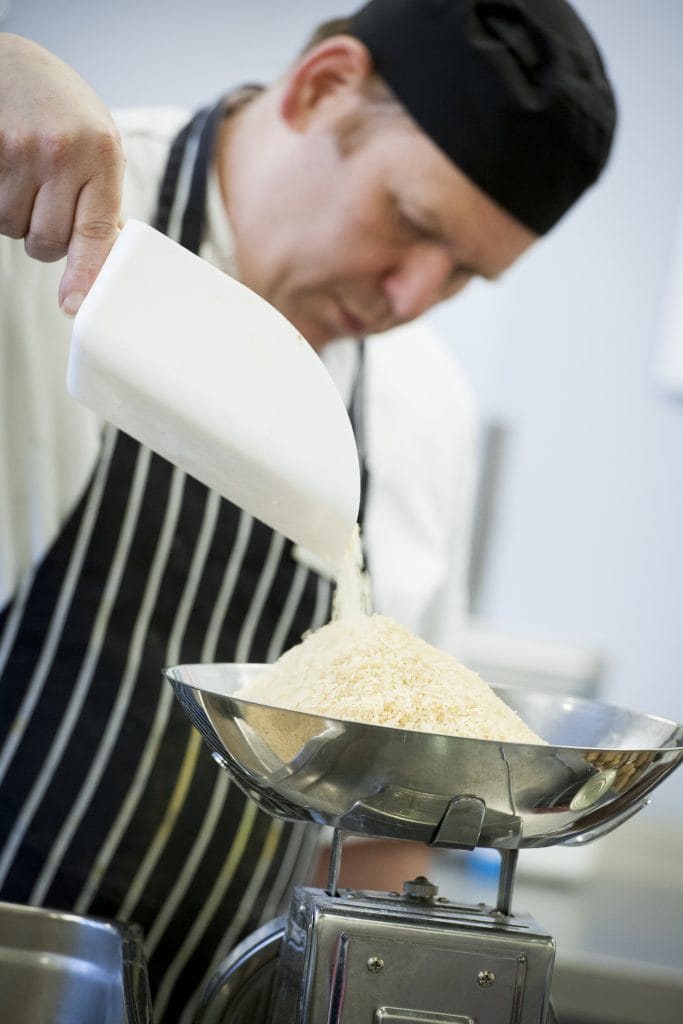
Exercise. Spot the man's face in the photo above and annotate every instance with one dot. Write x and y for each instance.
(348, 241)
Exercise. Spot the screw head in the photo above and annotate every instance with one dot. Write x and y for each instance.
(420, 888)
(375, 964)
(486, 978)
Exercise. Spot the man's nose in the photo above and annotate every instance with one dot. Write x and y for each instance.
(419, 281)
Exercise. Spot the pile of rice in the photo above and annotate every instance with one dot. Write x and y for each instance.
(369, 668)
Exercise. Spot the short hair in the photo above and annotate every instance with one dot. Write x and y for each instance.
(381, 105)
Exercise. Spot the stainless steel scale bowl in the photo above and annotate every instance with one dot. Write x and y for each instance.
(348, 957)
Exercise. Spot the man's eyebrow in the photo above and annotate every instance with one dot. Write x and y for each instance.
(488, 275)
(433, 224)
(474, 270)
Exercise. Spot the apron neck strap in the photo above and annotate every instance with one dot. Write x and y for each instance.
(183, 189)
(184, 183)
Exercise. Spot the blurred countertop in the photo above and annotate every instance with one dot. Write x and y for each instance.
(614, 908)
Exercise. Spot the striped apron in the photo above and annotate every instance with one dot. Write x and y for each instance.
(109, 804)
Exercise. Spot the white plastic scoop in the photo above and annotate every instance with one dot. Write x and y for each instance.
(203, 371)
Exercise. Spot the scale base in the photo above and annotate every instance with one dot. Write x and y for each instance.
(385, 958)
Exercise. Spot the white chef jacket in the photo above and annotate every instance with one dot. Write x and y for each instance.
(421, 422)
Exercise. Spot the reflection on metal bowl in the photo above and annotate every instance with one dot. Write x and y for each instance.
(58, 968)
(600, 764)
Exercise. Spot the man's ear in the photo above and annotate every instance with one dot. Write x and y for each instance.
(335, 68)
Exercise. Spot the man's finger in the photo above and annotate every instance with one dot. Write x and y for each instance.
(95, 230)
(16, 201)
(52, 221)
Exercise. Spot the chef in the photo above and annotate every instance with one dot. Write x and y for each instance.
(410, 148)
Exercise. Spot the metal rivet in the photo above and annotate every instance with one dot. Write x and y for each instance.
(486, 978)
(592, 790)
(375, 963)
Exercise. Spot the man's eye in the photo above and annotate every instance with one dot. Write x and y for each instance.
(410, 227)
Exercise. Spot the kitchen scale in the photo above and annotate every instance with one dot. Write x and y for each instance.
(356, 957)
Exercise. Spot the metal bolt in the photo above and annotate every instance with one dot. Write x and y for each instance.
(486, 978)
(375, 963)
(420, 888)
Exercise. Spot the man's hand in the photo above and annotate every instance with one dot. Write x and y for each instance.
(61, 165)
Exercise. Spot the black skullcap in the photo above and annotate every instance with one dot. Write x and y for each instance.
(513, 91)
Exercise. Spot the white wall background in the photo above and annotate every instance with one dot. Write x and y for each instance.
(588, 545)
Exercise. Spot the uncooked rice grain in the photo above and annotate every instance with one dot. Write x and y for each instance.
(369, 668)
